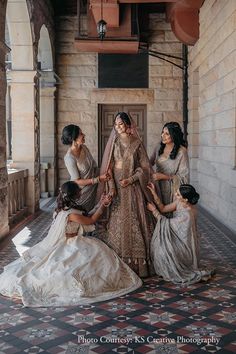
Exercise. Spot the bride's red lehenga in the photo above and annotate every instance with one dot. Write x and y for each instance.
(130, 225)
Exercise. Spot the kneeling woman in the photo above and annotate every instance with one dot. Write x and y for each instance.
(174, 245)
(67, 268)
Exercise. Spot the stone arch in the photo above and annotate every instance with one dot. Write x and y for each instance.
(20, 34)
(45, 50)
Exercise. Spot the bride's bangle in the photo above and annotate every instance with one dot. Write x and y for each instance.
(131, 180)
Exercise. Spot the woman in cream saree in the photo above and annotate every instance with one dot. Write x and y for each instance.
(171, 162)
(81, 166)
(67, 268)
(175, 242)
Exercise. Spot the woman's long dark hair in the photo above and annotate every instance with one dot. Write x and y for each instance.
(68, 197)
(177, 137)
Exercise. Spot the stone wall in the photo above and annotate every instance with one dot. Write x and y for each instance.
(3, 170)
(78, 95)
(213, 125)
(164, 78)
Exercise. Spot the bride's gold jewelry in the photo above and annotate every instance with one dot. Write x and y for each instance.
(124, 141)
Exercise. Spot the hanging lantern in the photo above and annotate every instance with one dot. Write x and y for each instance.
(101, 25)
(101, 29)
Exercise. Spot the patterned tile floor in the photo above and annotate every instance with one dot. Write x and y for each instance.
(158, 318)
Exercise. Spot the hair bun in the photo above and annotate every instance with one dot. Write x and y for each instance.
(194, 199)
(66, 140)
(69, 134)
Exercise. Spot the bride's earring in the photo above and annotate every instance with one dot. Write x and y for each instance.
(128, 131)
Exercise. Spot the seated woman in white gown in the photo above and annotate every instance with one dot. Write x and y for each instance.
(67, 268)
(175, 243)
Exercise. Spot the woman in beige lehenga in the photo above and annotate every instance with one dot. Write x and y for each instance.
(130, 225)
(171, 160)
(81, 166)
(175, 243)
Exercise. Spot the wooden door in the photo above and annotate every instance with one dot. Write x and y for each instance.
(106, 118)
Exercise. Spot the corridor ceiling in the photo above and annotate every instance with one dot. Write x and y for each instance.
(128, 22)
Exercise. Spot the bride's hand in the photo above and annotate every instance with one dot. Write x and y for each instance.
(124, 182)
(106, 199)
(105, 177)
(112, 192)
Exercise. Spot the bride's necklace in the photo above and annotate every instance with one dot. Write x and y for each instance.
(125, 141)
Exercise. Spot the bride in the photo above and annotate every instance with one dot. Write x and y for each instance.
(67, 268)
(130, 226)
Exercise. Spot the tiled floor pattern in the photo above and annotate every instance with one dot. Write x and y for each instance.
(158, 318)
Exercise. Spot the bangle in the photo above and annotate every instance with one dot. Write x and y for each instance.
(95, 180)
(131, 180)
(157, 200)
(155, 213)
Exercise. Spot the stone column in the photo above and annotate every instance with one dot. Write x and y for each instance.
(47, 129)
(193, 126)
(4, 227)
(25, 131)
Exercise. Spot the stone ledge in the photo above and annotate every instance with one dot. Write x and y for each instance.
(124, 96)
